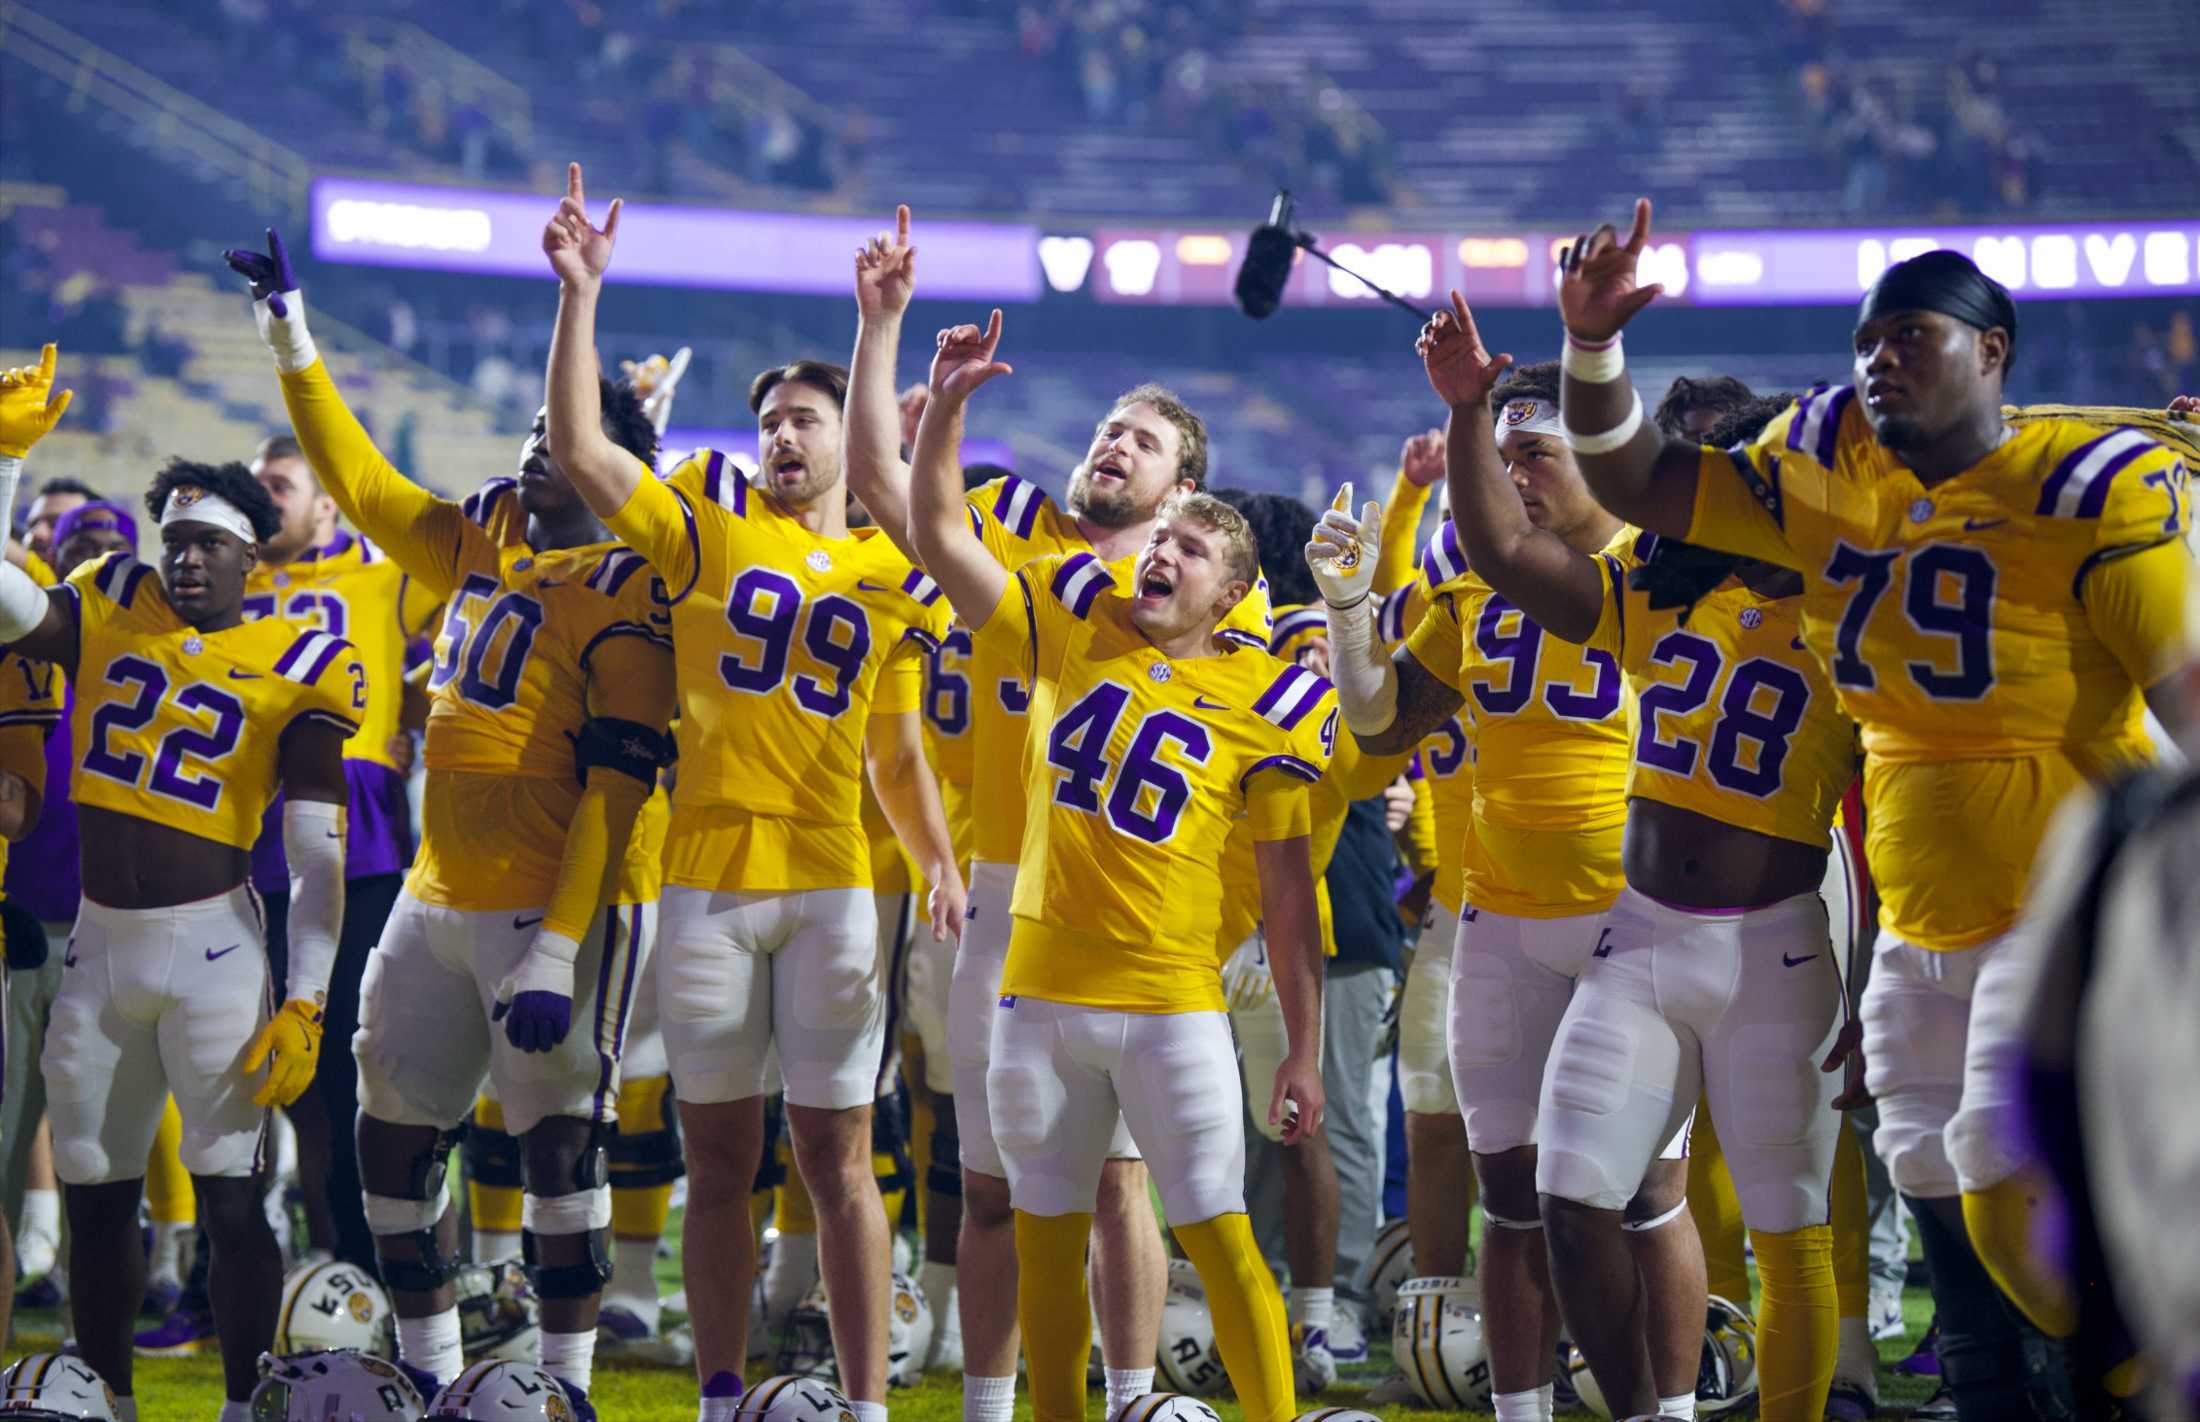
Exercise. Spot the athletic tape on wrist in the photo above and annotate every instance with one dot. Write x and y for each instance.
(1612, 438)
(1595, 364)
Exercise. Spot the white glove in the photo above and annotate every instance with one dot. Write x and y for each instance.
(286, 335)
(1339, 554)
(1247, 980)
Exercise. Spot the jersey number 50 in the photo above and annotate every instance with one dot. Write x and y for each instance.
(1142, 795)
(470, 633)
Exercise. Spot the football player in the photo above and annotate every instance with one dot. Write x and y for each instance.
(188, 718)
(1714, 972)
(1541, 867)
(1994, 605)
(1148, 735)
(1147, 446)
(551, 692)
(786, 624)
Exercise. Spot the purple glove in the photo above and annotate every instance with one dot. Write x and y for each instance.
(270, 274)
(535, 1021)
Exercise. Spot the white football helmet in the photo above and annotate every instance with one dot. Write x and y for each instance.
(792, 1399)
(905, 1254)
(505, 1391)
(1166, 1407)
(806, 1340)
(1436, 1340)
(1386, 1267)
(334, 1305)
(908, 1332)
(54, 1385)
(1189, 1362)
(338, 1385)
(1726, 1380)
(498, 1314)
(1336, 1414)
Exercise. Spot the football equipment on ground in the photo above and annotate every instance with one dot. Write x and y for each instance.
(1336, 1414)
(1726, 1380)
(1388, 1265)
(794, 1399)
(1166, 1407)
(806, 1340)
(334, 1305)
(1189, 1361)
(506, 1390)
(1436, 1340)
(54, 1385)
(909, 1327)
(333, 1385)
(498, 1314)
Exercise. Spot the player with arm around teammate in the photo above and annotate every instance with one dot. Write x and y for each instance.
(1994, 605)
(1149, 735)
(188, 719)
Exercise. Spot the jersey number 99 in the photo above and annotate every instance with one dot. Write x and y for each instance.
(767, 609)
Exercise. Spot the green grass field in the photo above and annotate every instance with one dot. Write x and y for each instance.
(189, 1389)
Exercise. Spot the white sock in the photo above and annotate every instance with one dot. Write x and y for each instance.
(868, 1411)
(167, 1258)
(1682, 1406)
(1530, 1406)
(717, 1409)
(433, 1344)
(1857, 1361)
(791, 1274)
(1546, 1406)
(937, 1283)
(988, 1399)
(1126, 1386)
(634, 1279)
(490, 1245)
(235, 1411)
(42, 1212)
(570, 1357)
(1312, 1308)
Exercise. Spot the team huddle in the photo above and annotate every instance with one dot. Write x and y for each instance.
(683, 731)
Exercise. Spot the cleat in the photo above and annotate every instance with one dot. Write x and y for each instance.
(182, 1334)
(1312, 1364)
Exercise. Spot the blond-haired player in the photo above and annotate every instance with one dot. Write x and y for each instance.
(1148, 735)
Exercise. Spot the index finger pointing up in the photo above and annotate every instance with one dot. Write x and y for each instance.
(901, 225)
(1641, 231)
(573, 183)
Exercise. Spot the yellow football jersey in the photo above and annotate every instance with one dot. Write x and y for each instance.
(1989, 634)
(1735, 719)
(948, 740)
(780, 638)
(1553, 726)
(1447, 756)
(1018, 522)
(30, 707)
(353, 590)
(182, 727)
(1138, 765)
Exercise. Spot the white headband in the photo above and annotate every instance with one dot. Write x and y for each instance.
(1534, 416)
(188, 503)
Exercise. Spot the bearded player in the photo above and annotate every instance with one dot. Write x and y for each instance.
(188, 718)
(1147, 446)
(785, 624)
(1996, 605)
(550, 697)
(1149, 734)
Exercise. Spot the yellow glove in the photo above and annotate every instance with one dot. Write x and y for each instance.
(29, 406)
(289, 1046)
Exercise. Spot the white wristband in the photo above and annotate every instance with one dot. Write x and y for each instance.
(286, 335)
(1366, 682)
(1594, 365)
(23, 603)
(1612, 438)
(11, 474)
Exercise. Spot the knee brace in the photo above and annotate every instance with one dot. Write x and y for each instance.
(414, 1216)
(584, 1211)
(944, 1176)
(646, 1151)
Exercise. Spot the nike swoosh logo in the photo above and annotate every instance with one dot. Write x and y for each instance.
(1205, 705)
(333, 834)
(213, 953)
(1796, 962)
(235, 675)
(1973, 525)
(520, 922)
(866, 585)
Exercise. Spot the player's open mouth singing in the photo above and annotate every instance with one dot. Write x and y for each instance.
(1109, 468)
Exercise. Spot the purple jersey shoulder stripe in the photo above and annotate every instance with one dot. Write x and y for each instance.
(480, 505)
(1295, 766)
(1297, 623)
(1239, 637)
(1291, 696)
(1443, 559)
(2079, 484)
(1018, 505)
(921, 587)
(1079, 581)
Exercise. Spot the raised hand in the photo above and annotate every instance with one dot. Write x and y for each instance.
(579, 252)
(29, 405)
(1460, 368)
(1597, 294)
(965, 360)
(886, 271)
(1336, 553)
(269, 271)
(1421, 459)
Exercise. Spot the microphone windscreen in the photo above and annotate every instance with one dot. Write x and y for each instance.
(1267, 267)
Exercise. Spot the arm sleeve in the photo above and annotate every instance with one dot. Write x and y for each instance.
(2137, 605)
(659, 523)
(422, 532)
(629, 679)
(1437, 642)
(1740, 504)
(1395, 565)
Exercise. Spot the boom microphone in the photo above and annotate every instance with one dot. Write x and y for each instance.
(1267, 265)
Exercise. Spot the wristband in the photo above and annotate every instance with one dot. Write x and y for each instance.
(1612, 438)
(1598, 364)
(286, 334)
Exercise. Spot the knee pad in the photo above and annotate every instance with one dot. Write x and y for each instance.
(944, 1175)
(491, 1157)
(394, 1217)
(646, 1151)
(586, 1213)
